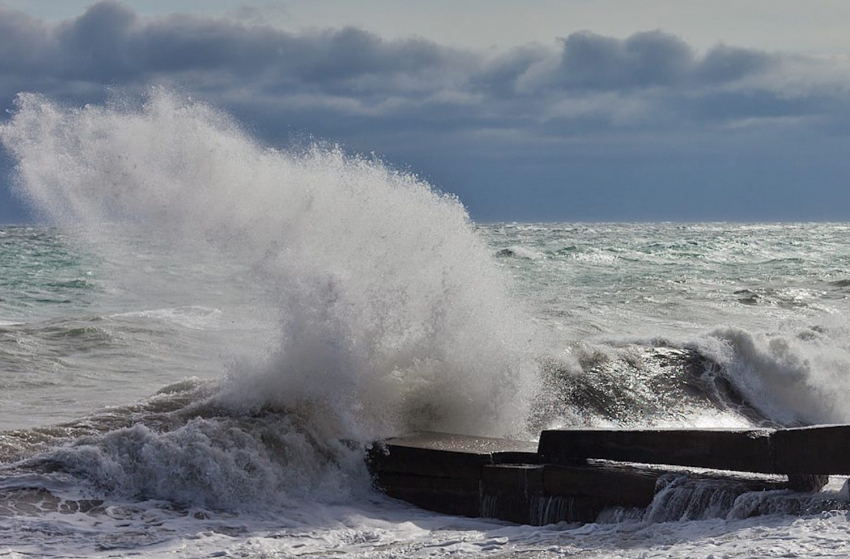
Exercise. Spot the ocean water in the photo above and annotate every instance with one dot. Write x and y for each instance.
(204, 332)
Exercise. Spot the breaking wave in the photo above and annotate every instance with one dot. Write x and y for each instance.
(389, 313)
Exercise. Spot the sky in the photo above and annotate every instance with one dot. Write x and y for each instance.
(569, 110)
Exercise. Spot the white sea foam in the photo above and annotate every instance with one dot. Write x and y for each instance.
(193, 317)
(794, 379)
(377, 529)
(220, 463)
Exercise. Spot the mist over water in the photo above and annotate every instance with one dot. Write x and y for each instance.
(390, 313)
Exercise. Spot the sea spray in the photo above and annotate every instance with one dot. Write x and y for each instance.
(794, 378)
(391, 314)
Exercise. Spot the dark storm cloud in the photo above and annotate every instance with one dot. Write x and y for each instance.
(110, 44)
(419, 101)
(651, 59)
(24, 43)
(643, 60)
(725, 64)
(501, 75)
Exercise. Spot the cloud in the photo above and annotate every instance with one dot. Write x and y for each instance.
(110, 44)
(643, 60)
(410, 97)
(24, 43)
(728, 64)
(653, 59)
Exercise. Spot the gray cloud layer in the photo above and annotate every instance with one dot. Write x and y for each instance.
(356, 73)
(412, 96)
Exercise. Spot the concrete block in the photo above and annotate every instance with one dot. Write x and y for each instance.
(740, 450)
(446, 455)
(813, 450)
(606, 484)
(509, 491)
(444, 495)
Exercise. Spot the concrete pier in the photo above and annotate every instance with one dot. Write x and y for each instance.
(574, 474)
(812, 450)
(739, 450)
(442, 472)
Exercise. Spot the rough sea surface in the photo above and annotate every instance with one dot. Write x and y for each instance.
(195, 351)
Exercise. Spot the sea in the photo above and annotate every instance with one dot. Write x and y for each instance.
(201, 334)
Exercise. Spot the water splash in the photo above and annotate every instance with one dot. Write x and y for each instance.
(392, 315)
(793, 379)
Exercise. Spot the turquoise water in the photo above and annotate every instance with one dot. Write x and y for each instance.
(42, 274)
(620, 278)
(80, 332)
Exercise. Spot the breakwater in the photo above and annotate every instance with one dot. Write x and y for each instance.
(576, 475)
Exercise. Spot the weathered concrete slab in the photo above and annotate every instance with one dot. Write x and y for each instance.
(447, 455)
(510, 491)
(813, 450)
(439, 494)
(609, 484)
(541, 494)
(805, 454)
(440, 471)
(570, 477)
(450, 442)
(742, 450)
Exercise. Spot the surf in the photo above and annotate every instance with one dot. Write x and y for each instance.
(388, 312)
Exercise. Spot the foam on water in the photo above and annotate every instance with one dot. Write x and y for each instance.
(193, 317)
